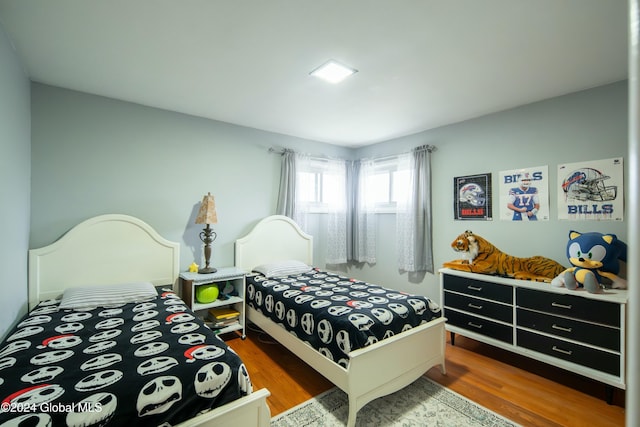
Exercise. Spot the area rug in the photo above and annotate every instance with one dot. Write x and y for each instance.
(423, 403)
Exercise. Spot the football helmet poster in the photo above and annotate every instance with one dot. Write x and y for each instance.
(472, 197)
(591, 190)
(524, 194)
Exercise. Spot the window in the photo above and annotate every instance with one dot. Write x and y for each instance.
(387, 184)
(321, 184)
(310, 185)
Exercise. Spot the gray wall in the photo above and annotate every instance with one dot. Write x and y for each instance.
(93, 155)
(587, 125)
(15, 170)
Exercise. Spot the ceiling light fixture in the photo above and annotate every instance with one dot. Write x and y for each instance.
(333, 72)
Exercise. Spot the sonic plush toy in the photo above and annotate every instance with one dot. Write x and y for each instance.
(593, 256)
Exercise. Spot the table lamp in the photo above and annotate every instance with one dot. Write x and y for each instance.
(207, 215)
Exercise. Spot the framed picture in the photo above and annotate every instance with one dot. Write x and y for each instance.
(472, 197)
(524, 194)
(592, 190)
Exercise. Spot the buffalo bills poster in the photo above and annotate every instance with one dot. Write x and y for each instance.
(591, 190)
(524, 194)
(472, 197)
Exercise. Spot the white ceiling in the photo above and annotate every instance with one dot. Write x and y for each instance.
(422, 63)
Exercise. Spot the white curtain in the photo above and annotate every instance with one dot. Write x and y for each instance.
(302, 203)
(413, 218)
(334, 196)
(336, 171)
(364, 215)
(351, 217)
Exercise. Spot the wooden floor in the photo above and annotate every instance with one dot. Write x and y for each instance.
(525, 391)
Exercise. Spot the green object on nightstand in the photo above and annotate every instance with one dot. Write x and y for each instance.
(207, 293)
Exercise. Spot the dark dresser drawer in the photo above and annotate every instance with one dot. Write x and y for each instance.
(479, 306)
(481, 326)
(575, 353)
(601, 336)
(479, 288)
(571, 306)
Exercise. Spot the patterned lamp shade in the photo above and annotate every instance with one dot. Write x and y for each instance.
(207, 213)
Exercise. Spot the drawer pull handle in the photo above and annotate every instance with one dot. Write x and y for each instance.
(559, 350)
(474, 325)
(555, 304)
(477, 307)
(561, 328)
(474, 288)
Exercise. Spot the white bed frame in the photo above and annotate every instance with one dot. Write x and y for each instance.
(114, 248)
(374, 371)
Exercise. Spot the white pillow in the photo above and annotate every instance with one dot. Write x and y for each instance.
(104, 295)
(282, 268)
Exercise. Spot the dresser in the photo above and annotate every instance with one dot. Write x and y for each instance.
(574, 330)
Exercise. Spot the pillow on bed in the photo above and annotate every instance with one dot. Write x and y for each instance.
(103, 295)
(282, 268)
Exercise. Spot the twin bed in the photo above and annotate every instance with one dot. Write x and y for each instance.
(158, 342)
(144, 361)
(381, 367)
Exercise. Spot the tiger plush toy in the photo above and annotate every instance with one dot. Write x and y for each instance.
(480, 256)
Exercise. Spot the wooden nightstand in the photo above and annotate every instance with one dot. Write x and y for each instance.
(234, 299)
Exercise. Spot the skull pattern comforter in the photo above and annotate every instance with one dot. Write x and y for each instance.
(335, 314)
(150, 363)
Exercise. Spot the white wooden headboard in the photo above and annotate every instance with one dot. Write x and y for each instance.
(274, 238)
(106, 249)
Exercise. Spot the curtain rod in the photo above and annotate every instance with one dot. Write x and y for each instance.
(311, 156)
(426, 147)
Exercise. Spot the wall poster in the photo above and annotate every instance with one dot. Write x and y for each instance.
(591, 190)
(524, 194)
(472, 197)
